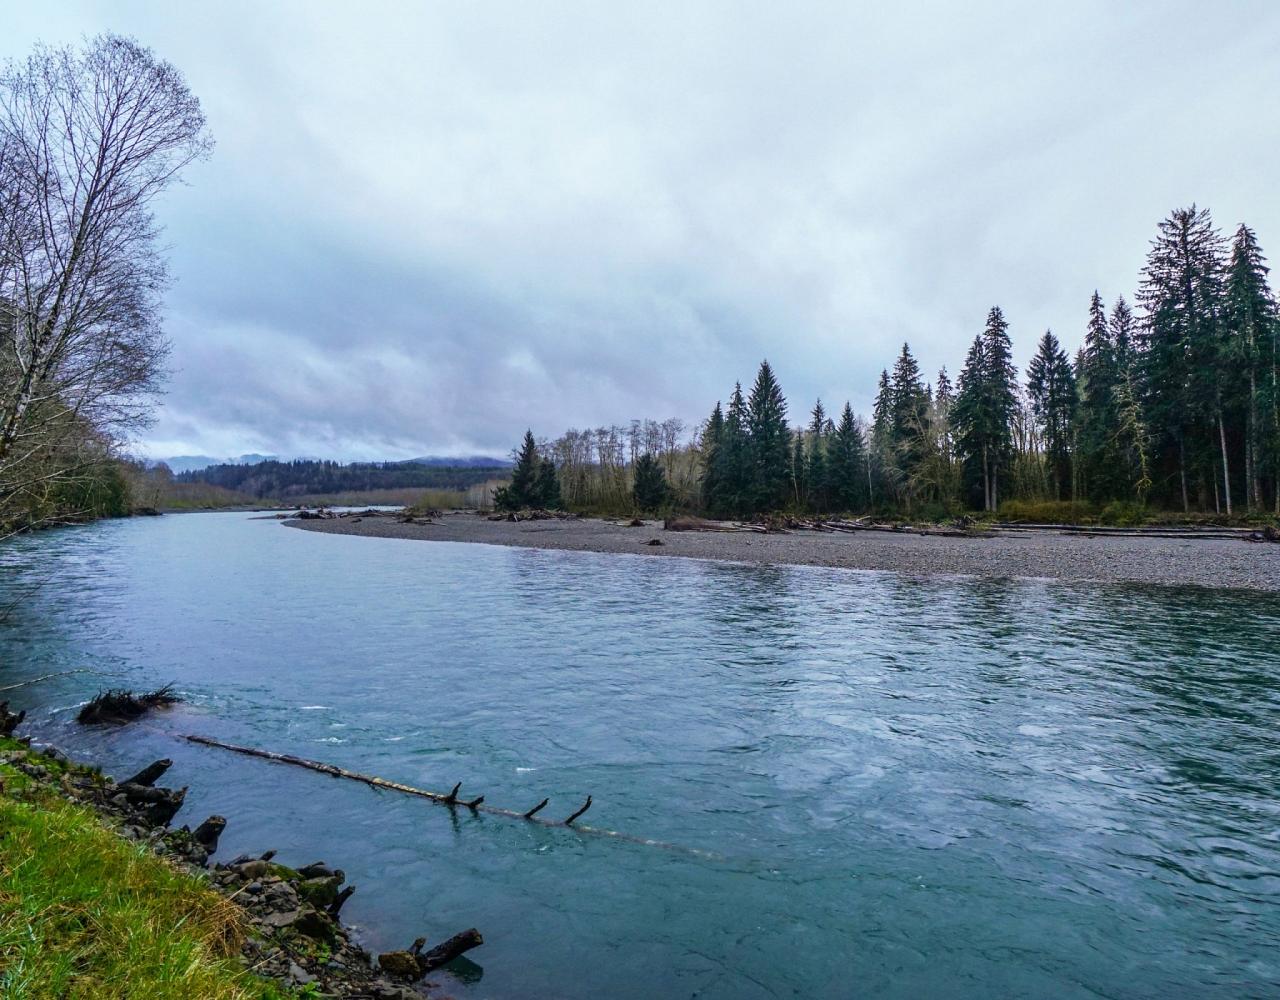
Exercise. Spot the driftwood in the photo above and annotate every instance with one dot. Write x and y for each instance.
(450, 799)
(443, 954)
(120, 706)
(159, 804)
(150, 774)
(208, 832)
(9, 721)
(42, 677)
(1190, 532)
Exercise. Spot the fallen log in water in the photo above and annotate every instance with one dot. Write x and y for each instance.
(42, 677)
(441, 798)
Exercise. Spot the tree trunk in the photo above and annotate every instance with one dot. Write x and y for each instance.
(1226, 468)
(1182, 471)
(986, 481)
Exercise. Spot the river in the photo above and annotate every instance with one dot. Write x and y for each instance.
(877, 785)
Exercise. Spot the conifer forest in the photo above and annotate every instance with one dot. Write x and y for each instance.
(1170, 402)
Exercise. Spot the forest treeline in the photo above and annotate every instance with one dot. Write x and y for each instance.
(1169, 404)
(307, 477)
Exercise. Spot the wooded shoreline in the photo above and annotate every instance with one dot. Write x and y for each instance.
(1048, 553)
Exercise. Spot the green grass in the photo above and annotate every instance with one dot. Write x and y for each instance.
(86, 914)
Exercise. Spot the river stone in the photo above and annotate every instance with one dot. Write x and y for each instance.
(253, 869)
(315, 925)
(300, 975)
(281, 918)
(320, 892)
(400, 964)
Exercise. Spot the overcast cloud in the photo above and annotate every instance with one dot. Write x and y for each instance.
(427, 226)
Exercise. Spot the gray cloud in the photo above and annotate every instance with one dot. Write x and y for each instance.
(425, 228)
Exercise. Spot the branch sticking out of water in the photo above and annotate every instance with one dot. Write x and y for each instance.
(450, 799)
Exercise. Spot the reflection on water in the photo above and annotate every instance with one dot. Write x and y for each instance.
(913, 787)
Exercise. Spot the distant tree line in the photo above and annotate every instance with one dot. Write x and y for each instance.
(307, 477)
(1176, 407)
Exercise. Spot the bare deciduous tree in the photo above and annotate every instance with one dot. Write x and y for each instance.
(87, 140)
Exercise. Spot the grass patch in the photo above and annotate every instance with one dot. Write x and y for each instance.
(85, 914)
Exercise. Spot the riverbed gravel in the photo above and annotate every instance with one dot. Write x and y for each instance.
(1218, 563)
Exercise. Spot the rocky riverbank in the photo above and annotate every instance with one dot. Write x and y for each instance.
(1044, 554)
(286, 924)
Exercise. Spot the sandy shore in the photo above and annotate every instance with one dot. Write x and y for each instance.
(1206, 563)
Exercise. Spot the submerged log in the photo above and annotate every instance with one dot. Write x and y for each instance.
(451, 799)
(42, 677)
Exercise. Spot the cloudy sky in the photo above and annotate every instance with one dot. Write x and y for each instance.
(426, 226)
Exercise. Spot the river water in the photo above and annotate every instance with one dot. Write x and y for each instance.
(903, 787)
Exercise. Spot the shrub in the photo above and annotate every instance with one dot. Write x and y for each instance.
(1122, 514)
(1047, 511)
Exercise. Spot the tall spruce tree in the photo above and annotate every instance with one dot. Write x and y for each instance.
(1051, 388)
(1099, 376)
(1130, 442)
(846, 464)
(1251, 321)
(986, 399)
(816, 476)
(908, 410)
(1181, 298)
(522, 491)
(649, 488)
(735, 458)
(769, 443)
(712, 442)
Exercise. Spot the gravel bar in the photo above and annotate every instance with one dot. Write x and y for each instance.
(1220, 563)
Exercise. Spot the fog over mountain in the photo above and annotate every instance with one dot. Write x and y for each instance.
(426, 228)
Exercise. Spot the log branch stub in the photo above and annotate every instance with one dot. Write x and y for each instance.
(150, 774)
(452, 797)
(536, 809)
(339, 900)
(585, 806)
(208, 832)
(474, 803)
(443, 954)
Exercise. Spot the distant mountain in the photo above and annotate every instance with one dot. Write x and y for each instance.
(194, 463)
(461, 461)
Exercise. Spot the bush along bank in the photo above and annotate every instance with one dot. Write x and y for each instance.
(99, 897)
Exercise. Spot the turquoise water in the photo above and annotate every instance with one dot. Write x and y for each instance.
(910, 787)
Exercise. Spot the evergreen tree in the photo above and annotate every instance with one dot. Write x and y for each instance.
(1251, 321)
(944, 396)
(884, 467)
(816, 476)
(986, 400)
(734, 474)
(712, 466)
(1181, 298)
(547, 489)
(1051, 388)
(522, 491)
(1130, 443)
(649, 490)
(846, 464)
(769, 443)
(908, 404)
